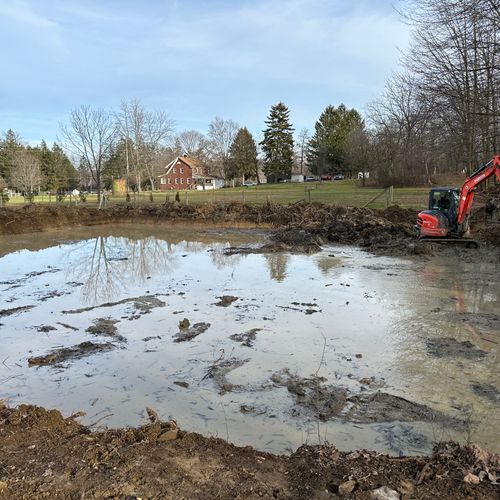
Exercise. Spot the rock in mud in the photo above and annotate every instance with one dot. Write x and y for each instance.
(448, 347)
(226, 300)
(190, 333)
(247, 339)
(383, 407)
(384, 493)
(181, 383)
(486, 391)
(219, 370)
(324, 402)
(70, 353)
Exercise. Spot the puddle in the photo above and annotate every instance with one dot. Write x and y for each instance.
(269, 350)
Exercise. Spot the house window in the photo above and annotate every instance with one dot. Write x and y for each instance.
(181, 170)
(169, 180)
(182, 180)
(189, 180)
(174, 171)
(163, 180)
(176, 181)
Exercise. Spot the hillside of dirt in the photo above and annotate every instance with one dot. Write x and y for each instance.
(47, 456)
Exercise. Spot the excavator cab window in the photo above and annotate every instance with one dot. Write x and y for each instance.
(440, 200)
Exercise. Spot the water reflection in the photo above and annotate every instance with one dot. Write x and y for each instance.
(277, 264)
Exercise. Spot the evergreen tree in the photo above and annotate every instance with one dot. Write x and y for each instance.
(327, 148)
(277, 144)
(66, 175)
(10, 144)
(242, 155)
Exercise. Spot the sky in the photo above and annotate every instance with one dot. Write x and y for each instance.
(193, 59)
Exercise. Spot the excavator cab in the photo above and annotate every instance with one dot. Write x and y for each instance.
(440, 220)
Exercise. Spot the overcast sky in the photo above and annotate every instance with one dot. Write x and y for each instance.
(194, 59)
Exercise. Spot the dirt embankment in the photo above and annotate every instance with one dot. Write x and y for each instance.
(47, 456)
(304, 225)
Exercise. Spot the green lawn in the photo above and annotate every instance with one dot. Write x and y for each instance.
(346, 192)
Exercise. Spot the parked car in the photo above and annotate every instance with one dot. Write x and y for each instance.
(338, 177)
(326, 177)
(309, 178)
(249, 184)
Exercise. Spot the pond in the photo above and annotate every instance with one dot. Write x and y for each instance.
(269, 350)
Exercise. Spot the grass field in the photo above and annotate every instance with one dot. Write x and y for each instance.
(346, 192)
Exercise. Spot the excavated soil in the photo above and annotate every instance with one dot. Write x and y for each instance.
(303, 227)
(47, 456)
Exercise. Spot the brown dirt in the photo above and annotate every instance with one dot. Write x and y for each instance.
(302, 226)
(47, 456)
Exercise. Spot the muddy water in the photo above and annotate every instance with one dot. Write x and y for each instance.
(261, 330)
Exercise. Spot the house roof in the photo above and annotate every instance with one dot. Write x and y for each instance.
(190, 162)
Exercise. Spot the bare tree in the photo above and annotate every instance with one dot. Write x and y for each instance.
(26, 174)
(221, 134)
(192, 143)
(301, 144)
(358, 151)
(90, 136)
(145, 133)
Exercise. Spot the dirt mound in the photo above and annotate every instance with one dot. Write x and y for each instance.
(304, 226)
(46, 455)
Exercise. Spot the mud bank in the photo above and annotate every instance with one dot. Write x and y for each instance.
(303, 226)
(46, 455)
(307, 224)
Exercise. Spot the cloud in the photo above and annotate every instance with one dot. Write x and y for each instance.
(196, 59)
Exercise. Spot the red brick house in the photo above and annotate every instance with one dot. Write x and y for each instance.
(183, 173)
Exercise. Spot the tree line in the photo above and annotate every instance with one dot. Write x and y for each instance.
(135, 144)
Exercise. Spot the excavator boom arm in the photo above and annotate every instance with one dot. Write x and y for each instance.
(468, 189)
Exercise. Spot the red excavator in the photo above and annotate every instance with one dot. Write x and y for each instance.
(447, 219)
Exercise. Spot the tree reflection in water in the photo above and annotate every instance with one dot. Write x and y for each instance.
(108, 265)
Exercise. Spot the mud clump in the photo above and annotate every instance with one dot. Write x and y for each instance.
(226, 300)
(449, 347)
(382, 407)
(299, 240)
(219, 370)
(14, 310)
(323, 402)
(246, 339)
(45, 328)
(189, 333)
(481, 320)
(486, 391)
(143, 305)
(70, 353)
(105, 327)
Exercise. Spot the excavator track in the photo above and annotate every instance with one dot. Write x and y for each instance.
(467, 242)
